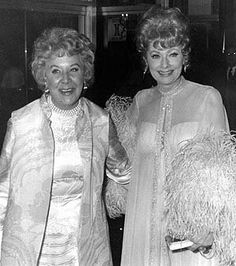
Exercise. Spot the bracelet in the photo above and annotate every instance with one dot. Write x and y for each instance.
(208, 253)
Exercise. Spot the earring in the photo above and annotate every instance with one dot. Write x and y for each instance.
(145, 67)
(145, 70)
(46, 89)
(185, 68)
(85, 86)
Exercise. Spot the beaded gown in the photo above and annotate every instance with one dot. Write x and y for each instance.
(162, 122)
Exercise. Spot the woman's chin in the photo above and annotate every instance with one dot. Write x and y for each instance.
(67, 105)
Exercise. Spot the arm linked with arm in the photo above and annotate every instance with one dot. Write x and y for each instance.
(118, 171)
(121, 110)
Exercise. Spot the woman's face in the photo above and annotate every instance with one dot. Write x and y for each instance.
(64, 79)
(165, 65)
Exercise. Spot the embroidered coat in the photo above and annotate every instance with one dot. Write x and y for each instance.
(26, 174)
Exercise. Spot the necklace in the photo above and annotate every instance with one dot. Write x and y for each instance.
(71, 112)
(172, 91)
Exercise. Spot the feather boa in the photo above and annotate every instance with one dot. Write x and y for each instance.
(201, 192)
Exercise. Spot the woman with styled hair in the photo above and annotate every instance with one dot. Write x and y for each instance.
(53, 160)
(159, 122)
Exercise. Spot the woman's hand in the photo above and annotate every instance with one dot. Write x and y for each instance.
(202, 243)
(175, 244)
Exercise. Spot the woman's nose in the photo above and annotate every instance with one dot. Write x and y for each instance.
(164, 62)
(65, 77)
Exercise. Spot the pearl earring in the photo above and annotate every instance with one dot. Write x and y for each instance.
(145, 67)
(46, 89)
(85, 86)
(185, 68)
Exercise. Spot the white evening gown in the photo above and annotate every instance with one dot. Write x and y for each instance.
(60, 245)
(162, 125)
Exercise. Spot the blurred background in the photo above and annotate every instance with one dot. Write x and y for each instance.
(110, 24)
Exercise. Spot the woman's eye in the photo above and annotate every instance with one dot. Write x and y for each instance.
(74, 69)
(175, 54)
(55, 71)
(155, 56)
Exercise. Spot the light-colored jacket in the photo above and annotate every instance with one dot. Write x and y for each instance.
(26, 174)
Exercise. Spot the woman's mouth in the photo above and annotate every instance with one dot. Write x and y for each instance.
(67, 91)
(165, 73)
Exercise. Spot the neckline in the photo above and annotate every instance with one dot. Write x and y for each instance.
(176, 89)
(71, 112)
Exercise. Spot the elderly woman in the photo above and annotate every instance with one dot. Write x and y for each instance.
(158, 123)
(52, 163)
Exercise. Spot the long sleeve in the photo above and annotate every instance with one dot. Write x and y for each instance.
(4, 173)
(214, 114)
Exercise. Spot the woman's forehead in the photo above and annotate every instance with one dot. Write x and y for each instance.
(156, 45)
(65, 59)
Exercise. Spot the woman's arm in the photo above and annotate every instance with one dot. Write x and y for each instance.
(213, 112)
(118, 165)
(123, 112)
(118, 171)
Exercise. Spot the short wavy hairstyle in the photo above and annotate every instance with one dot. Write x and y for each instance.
(167, 27)
(60, 42)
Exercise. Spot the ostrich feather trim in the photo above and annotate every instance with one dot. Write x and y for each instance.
(201, 192)
(117, 107)
(115, 198)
